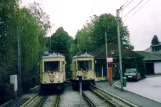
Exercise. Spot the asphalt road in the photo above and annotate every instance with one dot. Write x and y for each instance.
(131, 97)
(148, 87)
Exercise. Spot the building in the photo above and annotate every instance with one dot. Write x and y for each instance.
(152, 62)
(154, 48)
(130, 59)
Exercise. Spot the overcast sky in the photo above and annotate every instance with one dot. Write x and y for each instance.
(73, 14)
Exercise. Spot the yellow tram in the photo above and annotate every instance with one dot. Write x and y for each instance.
(52, 71)
(83, 65)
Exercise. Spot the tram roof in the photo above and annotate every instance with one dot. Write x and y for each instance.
(53, 55)
(83, 56)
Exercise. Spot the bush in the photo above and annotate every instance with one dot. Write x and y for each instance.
(29, 83)
(135, 63)
(6, 92)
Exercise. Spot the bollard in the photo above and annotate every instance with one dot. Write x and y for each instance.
(124, 82)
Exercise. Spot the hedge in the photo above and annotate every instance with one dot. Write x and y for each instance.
(29, 83)
(135, 63)
(6, 92)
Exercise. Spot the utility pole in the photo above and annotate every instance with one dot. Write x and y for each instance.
(106, 53)
(19, 55)
(80, 89)
(119, 46)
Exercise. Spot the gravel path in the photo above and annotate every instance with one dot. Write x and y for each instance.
(70, 98)
(95, 99)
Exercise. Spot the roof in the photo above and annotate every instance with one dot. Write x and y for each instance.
(148, 49)
(158, 52)
(53, 55)
(100, 53)
(149, 56)
(86, 55)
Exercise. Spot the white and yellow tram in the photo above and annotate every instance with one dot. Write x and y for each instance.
(52, 71)
(83, 65)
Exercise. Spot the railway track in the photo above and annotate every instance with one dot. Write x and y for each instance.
(111, 99)
(57, 101)
(88, 100)
(35, 101)
(40, 101)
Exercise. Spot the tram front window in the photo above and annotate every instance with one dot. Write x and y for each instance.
(51, 66)
(85, 65)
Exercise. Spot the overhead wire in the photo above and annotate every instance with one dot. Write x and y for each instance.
(125, 2)
(133, 8)
(124, 6)
(91, 10)
(138, 9)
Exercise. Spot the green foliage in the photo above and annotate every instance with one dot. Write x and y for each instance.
(32, 27)
(6, 92)
(155, 40)
(92, 35)
(135, 63)
(61, 42)
(8, 53)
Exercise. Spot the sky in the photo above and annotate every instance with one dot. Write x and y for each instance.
(73, 14)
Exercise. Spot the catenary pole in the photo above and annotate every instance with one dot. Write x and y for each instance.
(119, 47)
(106, 53)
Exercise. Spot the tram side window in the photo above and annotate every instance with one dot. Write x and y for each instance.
(51, 66)
(74, 65)
(85, 65)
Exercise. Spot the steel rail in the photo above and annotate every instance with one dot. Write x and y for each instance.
(28, 101)
(57, 101)
(88, 100)
(42, 101)
(109, 101)
(115, 97)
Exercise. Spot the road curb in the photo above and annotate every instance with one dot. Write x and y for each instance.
(136, 94)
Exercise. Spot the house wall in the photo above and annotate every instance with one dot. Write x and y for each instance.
(100, 68)
(157, 67)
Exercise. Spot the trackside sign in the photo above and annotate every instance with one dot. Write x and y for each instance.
(109, 59)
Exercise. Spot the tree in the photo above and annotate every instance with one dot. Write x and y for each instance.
(32, 34)
(155, 40)
(41, 17)
(32, 44)
(92, 35)
(61, 42)
(8, 53)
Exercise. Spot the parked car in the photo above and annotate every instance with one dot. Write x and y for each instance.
(132, 73)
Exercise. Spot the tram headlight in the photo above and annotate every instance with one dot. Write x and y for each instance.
(56, 75)
(51, 80)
